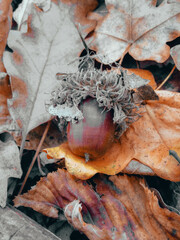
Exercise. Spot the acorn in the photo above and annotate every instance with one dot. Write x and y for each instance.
(96, 107)
(92, 136)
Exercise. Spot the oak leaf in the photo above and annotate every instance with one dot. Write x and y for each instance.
(24, 9)
(9, 167)
(152, 141)
(50, 44)
(121, 207)
(138, 27)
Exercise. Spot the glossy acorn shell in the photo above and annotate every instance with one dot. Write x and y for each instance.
(93, 135)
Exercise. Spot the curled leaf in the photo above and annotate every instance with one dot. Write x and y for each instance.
(148, 141)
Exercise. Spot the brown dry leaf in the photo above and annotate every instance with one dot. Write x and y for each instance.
(50, 45)
(153, 141)
(5, 90)
(175, 53)
(5, 93)
(82, 10)
(5, 26)
(145, 74)
(122, 207)
(21, 13)
(52, 139)
(57, 190)
(137, 27)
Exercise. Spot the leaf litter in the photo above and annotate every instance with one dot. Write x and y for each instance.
(83, 14)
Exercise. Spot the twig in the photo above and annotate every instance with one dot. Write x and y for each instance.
(35, 156)
(167, 78)
(39, 166)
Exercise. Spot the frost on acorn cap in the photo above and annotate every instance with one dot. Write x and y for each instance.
(110, 89)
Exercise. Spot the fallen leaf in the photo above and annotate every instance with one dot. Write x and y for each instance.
(5, 89)
(5, 25)
(50, 45)
(122, 207)
(57, 190)
(9, 167)
(175, 53)
(150, 141)
(23, 10)
(145, 74)
(82, 12)
(5, 93)
(138, 27)
(53, 137)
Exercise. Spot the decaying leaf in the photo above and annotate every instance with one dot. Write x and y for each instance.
(51, 43)
(122, 207)
(9, 167)
(137, 27)
(175, 53)
(153, 141)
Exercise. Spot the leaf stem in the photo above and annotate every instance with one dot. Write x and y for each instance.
(124, 53)
(35, 156)
(167, 78)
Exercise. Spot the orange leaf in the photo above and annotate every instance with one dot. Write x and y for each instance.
(145, 74)
(128, 28)
(150, 141)
(5, 90)
(122, 207)
(5, 93)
